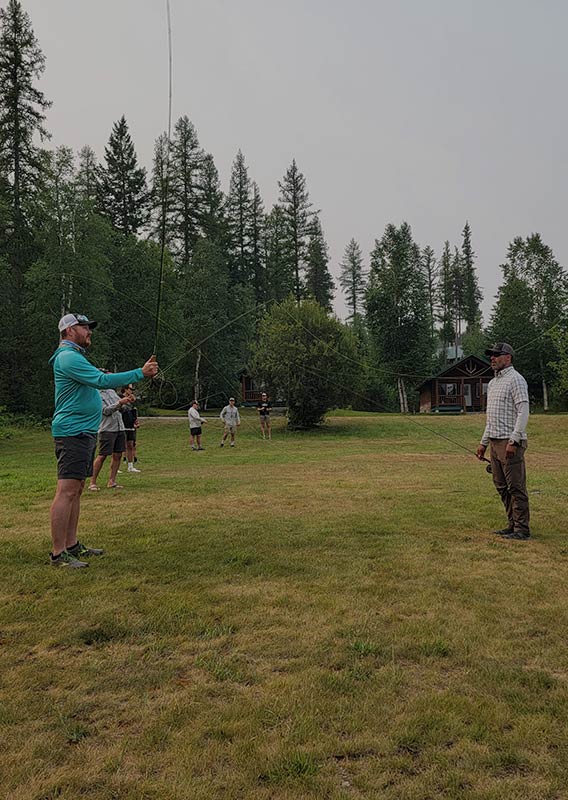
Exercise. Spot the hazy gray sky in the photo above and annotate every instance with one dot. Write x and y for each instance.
(430, 111)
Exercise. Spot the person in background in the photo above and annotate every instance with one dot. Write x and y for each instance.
(505, 431)
(76, 419)
(112, 438)
(131, 424)
(195, 423)
(231, 419)
(263, 407)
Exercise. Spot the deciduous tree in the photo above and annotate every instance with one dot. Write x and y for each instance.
(308, 358)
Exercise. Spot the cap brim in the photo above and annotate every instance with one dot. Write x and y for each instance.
(494, 353)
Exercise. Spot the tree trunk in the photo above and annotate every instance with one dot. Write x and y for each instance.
(404, 396)
(544, 386)
(402, 399)
(196, 387)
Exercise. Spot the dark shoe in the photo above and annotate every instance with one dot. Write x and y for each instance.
(82, 551)
(503, 532)
(521, 535)
(65, 559)
(201, 448)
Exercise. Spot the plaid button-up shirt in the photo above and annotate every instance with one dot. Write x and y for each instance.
(507, 407)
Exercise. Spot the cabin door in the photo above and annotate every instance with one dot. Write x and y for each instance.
(467, 395)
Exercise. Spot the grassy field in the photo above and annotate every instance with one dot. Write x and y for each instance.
(326, 615)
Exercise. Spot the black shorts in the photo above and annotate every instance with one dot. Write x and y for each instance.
(195, 431)
(130, 436)
(111, 442)
(75, 455)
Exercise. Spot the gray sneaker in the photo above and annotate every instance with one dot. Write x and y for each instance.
(65, 559)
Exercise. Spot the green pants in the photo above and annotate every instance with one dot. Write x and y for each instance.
(510, 479)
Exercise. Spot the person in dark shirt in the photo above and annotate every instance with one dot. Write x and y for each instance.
(131, 424)
(263, 407)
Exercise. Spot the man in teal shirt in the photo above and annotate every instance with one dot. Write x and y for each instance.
(76, 420)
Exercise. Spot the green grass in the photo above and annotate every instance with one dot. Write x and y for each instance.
(320, 616)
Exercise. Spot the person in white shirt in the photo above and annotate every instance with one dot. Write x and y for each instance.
(505, 430)
(195, 422)
(232, 419)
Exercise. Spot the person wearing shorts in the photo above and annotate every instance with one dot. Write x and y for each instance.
(263, 407)
(130, 418)
(76, 419)
(231, 419)
(195, 423)
(112, 438)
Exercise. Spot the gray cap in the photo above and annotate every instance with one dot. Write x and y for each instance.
(70, 320)
(500, 349)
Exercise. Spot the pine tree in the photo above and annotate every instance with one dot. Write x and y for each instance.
(22, 107)
(86, 181)
(295, 203)
(185, 196)
(511, 321)
(208, 301)
(279, 274)
(239, 220)
(458, 298)
(319, 283)
(21, 117)
(397, 306)
(472, 296)
(123, 197)
(70, 275)
(446, 299)
(430, 269)
(352, 279)
(533, 262)
(161, 219)
(257, 256)
(212, 223)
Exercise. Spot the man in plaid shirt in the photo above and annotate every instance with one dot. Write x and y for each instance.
(507, 418)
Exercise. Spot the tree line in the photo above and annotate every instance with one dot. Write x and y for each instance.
(78, 234)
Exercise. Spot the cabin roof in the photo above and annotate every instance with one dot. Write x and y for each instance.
(476, 367)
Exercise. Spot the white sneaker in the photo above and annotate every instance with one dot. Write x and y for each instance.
(119, 472)
(132, 469)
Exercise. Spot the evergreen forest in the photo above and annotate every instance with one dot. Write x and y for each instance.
(127, 243)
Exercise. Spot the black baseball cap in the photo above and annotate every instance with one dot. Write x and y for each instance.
(500, 349)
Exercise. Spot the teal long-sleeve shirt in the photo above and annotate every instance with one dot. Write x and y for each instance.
(78, 404)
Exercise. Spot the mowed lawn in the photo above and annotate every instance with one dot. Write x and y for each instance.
(326, 615)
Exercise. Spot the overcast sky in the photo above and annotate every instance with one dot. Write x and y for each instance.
(430, 111)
